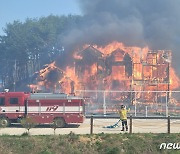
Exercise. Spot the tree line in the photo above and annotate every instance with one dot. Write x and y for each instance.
(27, 46)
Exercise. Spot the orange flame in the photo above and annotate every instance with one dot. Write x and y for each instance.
(145, 68)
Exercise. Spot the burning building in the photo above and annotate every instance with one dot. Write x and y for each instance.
(113, 68)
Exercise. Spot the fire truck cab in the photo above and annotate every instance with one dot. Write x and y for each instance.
(42, 108)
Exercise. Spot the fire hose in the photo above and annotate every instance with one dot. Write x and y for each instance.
(113, 126)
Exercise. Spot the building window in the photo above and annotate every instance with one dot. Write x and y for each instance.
(13, 100)
(2, 101)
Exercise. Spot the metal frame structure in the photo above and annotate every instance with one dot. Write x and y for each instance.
(104, 93)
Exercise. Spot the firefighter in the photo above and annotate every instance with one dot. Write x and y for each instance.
(123, 117)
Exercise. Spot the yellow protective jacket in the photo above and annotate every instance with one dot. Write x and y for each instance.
(123, 114)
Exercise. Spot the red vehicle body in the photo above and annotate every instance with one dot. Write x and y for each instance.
(42, 108)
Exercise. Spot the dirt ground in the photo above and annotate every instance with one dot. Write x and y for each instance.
(139, 126)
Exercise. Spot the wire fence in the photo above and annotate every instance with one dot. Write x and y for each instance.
(103, 124)
(141, 103)
(135, 124)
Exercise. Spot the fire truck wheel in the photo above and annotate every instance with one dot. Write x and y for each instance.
(4, 122)
(59, 122)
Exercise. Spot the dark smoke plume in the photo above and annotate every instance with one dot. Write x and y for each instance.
(153, 23)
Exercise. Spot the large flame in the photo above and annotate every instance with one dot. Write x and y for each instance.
(114, 67)
(174, 79)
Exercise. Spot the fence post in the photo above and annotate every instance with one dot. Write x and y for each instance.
(168, 124)
(104, 103)
(135, 106)
(166, 104)
(91, 123)
(130, 129)
(146, 111)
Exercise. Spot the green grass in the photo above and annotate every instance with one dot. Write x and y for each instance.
(87, 144)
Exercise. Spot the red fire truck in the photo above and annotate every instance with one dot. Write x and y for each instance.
(42, 108)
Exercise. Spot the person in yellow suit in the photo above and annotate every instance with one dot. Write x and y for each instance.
(123, 117)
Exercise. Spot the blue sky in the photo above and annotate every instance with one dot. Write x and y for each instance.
(11, 10)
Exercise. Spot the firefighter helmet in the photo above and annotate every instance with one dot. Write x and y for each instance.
(122, 106)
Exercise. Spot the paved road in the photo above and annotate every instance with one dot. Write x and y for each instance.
(139, 126)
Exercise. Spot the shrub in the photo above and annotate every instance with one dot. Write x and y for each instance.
(72, 137)
(28, 123)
